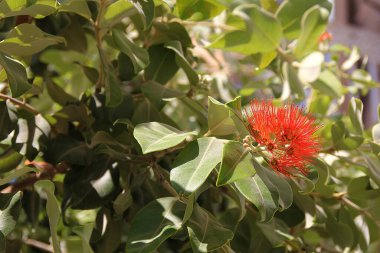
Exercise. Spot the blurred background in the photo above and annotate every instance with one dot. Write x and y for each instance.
(357, 23)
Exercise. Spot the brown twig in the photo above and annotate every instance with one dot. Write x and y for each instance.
(39, 245)
(161, 178)
(19, 103)
(48, 171)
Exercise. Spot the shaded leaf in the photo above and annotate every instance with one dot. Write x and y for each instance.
(6, 123)
(15, 174)
(27, 39)
(52, 209)
(183, 62)
(138, 55)
(156, 222)
(16, 75)
(205, 232)
(162, 66)
(10, 206)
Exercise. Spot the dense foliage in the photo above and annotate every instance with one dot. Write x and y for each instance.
(121, 128)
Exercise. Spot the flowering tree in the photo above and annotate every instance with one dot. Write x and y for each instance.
(183, 126)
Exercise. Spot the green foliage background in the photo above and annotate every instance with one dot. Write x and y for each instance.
(121, 128)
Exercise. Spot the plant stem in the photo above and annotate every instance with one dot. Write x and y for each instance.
(19, 103)
(161, 178)
(98, 37)
(284, 55)
(39, 245)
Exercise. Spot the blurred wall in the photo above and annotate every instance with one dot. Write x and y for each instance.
(357, 22)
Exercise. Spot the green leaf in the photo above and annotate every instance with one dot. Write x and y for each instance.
(280, 188)
(16, 75)
(220, 120)
(269, 5)
(276, 231)
(181, 61)
(155, 136)
(262, 34)
(262, 60)
(361, 77)
(355, 111)
(6, 123)
(10, 207)
(255, 190)
(194, 164)
(138, 55)
(46, 188)
(327, 83)
(114, 95)
(291, 79)
(36, 9)
(9, 159)
(15, 174)
(340, 232)
(360, 188)
(109, 231)
(155, 223)
(79, 7)
(314, 23)
(116, 11)
(342, 139)
(290, 14)
(205, 232)
(162, 66)
(304, 184)
(27, 39)
(159, 94)
(58, 94)
(146, 11)
(236, 164)
(85, 232)
(165, 32)
(102, 181)
(122, 202)
(373, 167)
(323, 185)
(197, 10)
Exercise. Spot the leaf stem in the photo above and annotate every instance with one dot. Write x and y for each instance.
(19, 103)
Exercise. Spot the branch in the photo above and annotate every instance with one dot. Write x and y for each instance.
(161, 178)
(98, 37)
(48, 171)
(39, 245)
(19, 103)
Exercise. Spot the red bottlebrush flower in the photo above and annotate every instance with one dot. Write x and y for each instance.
(325, 36)
(286, 134)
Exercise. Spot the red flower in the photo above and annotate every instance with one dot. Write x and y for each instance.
(286, 135)
(325, 36)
